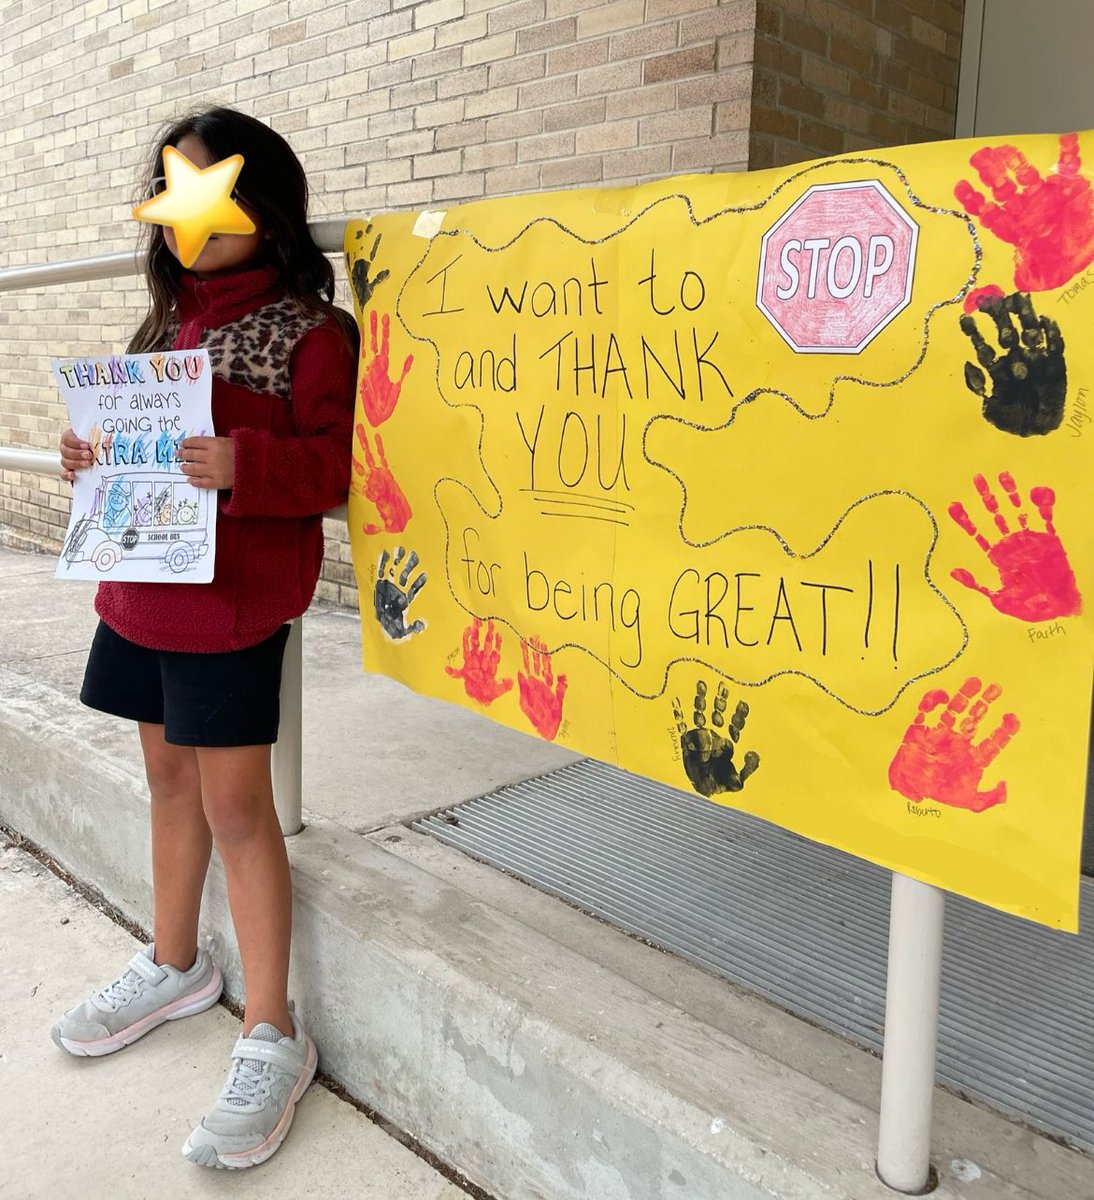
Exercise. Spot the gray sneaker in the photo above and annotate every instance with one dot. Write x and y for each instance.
(255, 1108)
(142, 997)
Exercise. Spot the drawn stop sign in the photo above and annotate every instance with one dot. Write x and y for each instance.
(837, 267)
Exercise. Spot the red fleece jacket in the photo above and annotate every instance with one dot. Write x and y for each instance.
(292, 463)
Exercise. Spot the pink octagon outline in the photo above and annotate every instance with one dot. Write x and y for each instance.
(878, 187)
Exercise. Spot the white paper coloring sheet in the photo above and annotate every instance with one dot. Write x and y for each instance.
(135, 515)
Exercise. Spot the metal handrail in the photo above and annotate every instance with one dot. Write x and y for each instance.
(75, 270)
(327, 235)
(33, 462)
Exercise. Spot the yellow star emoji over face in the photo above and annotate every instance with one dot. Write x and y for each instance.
(196, 202)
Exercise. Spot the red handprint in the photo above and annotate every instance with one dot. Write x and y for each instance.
(480, 664)
(1049, 220)
(381, 488)
(940, 762)
(1037, 582)
(540, 696)
(379, 394)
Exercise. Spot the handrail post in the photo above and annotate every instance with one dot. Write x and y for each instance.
(286, 764)
(916, 919)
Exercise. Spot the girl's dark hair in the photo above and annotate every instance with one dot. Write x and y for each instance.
(273, 183)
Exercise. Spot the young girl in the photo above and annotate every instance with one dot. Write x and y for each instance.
(198, 666)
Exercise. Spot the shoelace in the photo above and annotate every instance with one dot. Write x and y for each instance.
(121, 991)
(244, 1082)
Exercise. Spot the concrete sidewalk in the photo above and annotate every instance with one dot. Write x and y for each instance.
(543, 1054)
(82, 1127)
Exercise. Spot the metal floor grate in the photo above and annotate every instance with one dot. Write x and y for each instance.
(802, 924)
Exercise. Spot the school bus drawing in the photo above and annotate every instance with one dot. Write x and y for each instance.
(142, 515)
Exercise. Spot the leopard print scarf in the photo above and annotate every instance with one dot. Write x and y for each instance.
(253, 352)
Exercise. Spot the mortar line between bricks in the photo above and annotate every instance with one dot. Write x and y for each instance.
(101, 904)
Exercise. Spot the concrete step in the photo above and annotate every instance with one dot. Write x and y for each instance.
(114, 1126)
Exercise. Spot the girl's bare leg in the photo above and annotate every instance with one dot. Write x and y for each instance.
(181, 843)
(237, 792)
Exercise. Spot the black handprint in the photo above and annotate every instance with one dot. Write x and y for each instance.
(363, 285)
(393, 599)
(1029, 379)
(708, 756)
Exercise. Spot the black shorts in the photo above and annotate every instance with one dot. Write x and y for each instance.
(229, 699)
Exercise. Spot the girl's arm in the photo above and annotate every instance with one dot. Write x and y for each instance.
(308, 473)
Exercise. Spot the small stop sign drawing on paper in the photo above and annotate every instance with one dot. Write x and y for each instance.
(837, 267)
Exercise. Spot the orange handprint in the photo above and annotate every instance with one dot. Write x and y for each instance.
(380, 394)
(540, 696)
(480, 664)
(940, 762)
(1049, 220)
(381, 487)
(1036, 579)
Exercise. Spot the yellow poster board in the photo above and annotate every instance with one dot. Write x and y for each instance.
(775, 487)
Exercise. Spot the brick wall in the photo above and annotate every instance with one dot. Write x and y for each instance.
(838, 75)
(390, 104)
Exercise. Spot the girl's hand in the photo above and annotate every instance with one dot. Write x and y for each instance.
(210, 462)
(75, 455)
